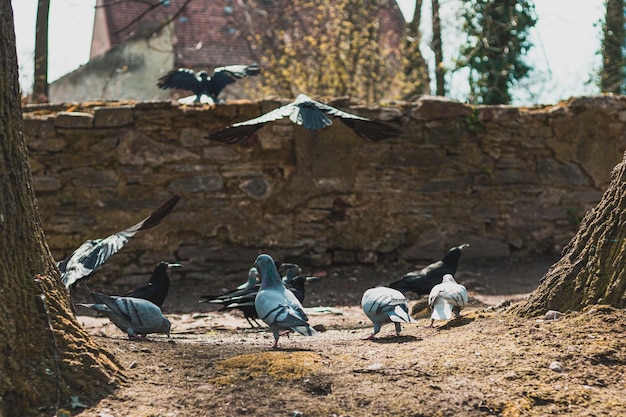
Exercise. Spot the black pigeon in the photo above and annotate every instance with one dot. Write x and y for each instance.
(204, 85)
(309, 114)
(157, 288)
(422, 281)
(295, 280)
(93, 253)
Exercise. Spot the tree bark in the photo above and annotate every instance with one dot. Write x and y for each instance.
(438, 50)
(46, 355)
(40, 86)
(592, 269)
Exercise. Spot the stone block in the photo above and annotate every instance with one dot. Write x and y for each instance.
(74, 120)
(113, 116)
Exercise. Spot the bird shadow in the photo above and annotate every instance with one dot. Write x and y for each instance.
(396, 339)
(461, 321)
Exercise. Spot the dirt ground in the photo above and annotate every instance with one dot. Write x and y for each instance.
(486, 363)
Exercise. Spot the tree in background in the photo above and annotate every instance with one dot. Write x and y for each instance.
(414, 64)
(40, 87)
(498, 40)
(613, 72)
(46, 355)
(328, 49)
(437, 46)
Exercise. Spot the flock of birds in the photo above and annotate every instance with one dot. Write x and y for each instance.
(267, 295)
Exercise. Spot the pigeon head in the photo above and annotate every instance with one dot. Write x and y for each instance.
(166, 327)
(267, 270)
(448, 278)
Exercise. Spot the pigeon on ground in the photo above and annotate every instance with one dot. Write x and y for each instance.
(421, 282)
(311, 115)
(277, 306)
(135, 316)
(93, 253)
(447, 299)
(384, 305)
(157, 288)
(206, 88)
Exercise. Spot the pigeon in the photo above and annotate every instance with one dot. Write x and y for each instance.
(311, 115)
(157, 288)
(253, 280)
(447, 299)
(422, 281)
(384, 305)
(294, 280)
(93, 253)
(135, 316)
(204, 85)
(277, 306)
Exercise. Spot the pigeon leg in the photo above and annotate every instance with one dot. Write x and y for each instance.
(252, 326)
(276, 336)
(398, 328)
(370, 337)
(430, 326)
(285, 333)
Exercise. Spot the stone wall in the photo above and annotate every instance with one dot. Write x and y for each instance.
(509, 181)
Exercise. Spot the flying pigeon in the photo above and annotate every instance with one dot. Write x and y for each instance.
(93, 253)
(157, 288)
(206, 88)
(447, 299)
(277, 306)
(135, 316)
(311, 115)
(422, 281)
(384, 305)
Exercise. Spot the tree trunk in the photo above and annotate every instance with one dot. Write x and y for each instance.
(592, 269)
(46, 355)
(416, 68)
(40, 87)
(438, 50)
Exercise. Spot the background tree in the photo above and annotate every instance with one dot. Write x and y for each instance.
(415, 66)
(326, 49)
(40, 87)
(437, 46)
(593, 265)
(498, 41)
(613, 72)
(46, 355)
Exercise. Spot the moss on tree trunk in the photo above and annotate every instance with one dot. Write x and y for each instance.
(592, 269)
(46, 357)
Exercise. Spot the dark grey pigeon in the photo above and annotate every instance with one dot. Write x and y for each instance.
(135, 316)
(311, 115)
(422, 281)
(276, 305)
(157, 288)
(93, 253)
(204, 85)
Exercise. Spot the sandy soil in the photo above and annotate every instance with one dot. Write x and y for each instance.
(486, 363)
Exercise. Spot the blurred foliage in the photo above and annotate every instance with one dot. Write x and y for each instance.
(332, 49)
(613, 72)
(497, 42)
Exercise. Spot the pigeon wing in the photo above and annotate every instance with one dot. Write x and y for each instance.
(93, 253)
(241, 131)
(365, 128)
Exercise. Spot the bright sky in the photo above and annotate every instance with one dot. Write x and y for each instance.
(566, 39)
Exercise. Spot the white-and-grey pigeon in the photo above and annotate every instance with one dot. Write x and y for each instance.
(384, 305)
(447, 299)
(135, 316)
(276, 305)
(93, 253)
(311, 115)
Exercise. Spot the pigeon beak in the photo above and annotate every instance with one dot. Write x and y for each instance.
(174, 265)
(463, 246)
(313, 279)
